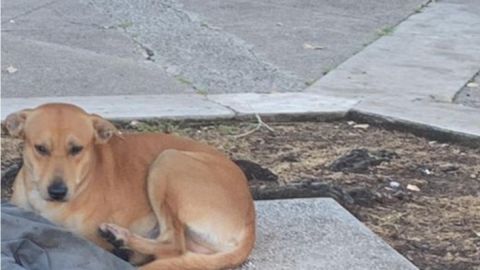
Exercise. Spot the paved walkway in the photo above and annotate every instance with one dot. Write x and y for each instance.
(102, 47)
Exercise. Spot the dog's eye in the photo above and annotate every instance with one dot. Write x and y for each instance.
(75, 150)
(42, 150)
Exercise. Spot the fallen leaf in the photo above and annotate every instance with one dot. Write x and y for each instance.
(312, 46)
(413, 188)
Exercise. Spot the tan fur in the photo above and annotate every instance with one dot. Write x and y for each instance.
(129, 184)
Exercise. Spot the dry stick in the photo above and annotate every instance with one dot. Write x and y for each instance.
(260, 123)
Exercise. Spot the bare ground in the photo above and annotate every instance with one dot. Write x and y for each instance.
(436, 227)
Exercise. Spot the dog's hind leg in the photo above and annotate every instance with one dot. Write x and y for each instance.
(171, 241)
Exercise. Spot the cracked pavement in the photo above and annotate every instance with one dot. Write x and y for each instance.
(209, 48)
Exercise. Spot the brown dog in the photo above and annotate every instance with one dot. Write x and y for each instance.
(144, 196)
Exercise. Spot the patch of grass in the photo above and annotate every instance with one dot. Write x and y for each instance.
(422, 6)
(326, 71)
(310, 82)
(202, 92)
(163, 126)
(228, 129)
(183, 80)
(385, 31)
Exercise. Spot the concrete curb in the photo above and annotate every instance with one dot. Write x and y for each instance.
(436, 121)
(439, 121)
(197, 107)
(188, 106)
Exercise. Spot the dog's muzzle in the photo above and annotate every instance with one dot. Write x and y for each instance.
(57, 190)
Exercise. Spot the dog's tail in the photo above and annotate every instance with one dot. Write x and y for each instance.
(222, 260)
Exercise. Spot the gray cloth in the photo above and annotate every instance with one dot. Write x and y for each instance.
(32, 242)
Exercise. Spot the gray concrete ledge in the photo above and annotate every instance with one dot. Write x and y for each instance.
(443, 121)
(131, 107)
(283, 103)
(439, 121)
(194, 106)
(317, 234)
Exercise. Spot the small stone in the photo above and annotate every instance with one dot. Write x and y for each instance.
(426, 171)
(473, 176)
(394, 184)
(134, 123)
(361, 126)
(472, 85)
(279, 24)
(351, 123)
(12, 21)
(413, 188)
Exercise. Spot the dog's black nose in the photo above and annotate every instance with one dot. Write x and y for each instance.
(57, 190)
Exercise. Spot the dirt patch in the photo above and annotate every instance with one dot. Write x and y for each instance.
(421, 196)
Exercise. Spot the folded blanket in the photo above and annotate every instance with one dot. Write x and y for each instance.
(29, 241)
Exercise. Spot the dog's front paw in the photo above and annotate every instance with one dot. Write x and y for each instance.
(115, 235)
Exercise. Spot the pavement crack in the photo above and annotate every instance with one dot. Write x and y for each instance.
(235, 113)
(148, 52)
(458, 93)
(94, 25)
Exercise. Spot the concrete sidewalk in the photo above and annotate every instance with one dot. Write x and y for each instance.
(213, 47)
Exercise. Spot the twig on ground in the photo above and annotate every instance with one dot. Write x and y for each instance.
(260, 123)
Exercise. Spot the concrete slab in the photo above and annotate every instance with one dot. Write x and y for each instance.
(444, 120)
(278, 29)
(76, 24)
(131, 107)
(55, 70)
(213, 60)
(430, 55)
(284, 103)
(317, 234)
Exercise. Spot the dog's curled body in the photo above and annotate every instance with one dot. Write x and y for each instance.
(177, 202)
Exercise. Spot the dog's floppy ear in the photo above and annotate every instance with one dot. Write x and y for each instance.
(15, 123)
(104, 130)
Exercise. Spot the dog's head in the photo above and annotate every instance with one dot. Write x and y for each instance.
(59, 146)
